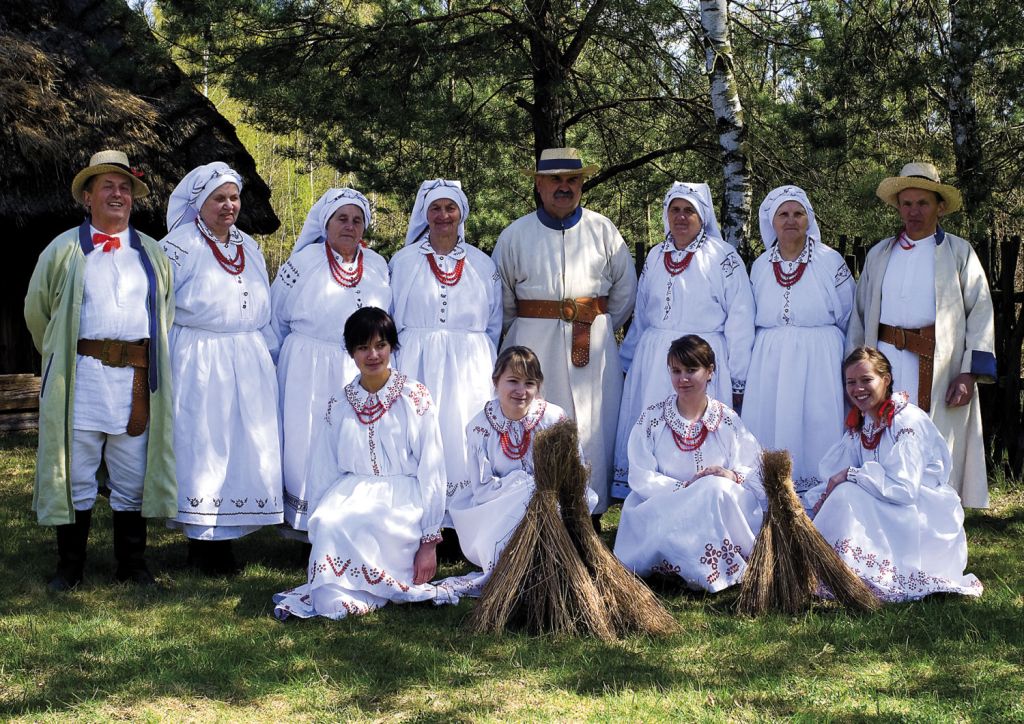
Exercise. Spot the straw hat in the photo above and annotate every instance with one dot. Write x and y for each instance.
(108, 162)
(919, 175)
(560, 161)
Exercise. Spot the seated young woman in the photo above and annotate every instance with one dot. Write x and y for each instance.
(696, 503)
(887, 507)
(376, 482)
(500, 452)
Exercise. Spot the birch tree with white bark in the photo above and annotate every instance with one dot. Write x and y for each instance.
(732, 133)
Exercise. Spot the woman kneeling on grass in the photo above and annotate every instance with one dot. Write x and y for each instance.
(888, 508)
(500, 452)
(696, 501)
(376, 482)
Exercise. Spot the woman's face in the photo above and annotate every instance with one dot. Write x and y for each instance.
(790, 223)
(443, 216)
(683, 221)
(345, 228)
(220, 210)
(515, 394)
(865, 387)
(689, 382)
(372, 357)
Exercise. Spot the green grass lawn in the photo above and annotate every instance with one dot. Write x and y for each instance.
(208, 649)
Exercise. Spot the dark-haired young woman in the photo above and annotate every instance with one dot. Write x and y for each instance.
(376, 487)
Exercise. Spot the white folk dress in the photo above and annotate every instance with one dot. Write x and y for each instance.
(710, 298)
(703, 532)
(376, 492)
(448, 337)
(500, 485)
(584, 256)
(309, 310)
(794, 398)
(896, 521)
(226, 432)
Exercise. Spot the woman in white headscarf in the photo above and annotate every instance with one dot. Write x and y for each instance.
(329, 275)
(691, 283)
(804, 296)
(226, 433)
(447, 302)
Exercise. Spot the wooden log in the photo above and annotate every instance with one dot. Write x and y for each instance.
(19, 421)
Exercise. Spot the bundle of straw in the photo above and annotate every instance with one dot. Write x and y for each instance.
(632, 607)
(539, 583)
(790, 557)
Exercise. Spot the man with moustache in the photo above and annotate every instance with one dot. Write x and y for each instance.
(568, 283)
(924, 302)
(99, 305)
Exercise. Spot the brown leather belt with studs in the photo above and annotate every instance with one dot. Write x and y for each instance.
(581, 312)
(922, 343)
(119, 353)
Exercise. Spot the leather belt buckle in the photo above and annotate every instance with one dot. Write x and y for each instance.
(900, 342)
(114, 353)
(568, 310)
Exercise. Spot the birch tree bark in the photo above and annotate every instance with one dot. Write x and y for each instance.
(732, 134)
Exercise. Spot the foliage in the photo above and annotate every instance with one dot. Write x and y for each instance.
(208, 649)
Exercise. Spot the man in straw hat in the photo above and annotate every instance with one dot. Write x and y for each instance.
(924, 302)
(568, 283)
(99, 305)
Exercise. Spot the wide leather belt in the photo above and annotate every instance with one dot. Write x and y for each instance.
(581, 312)
(119, 353)
(922, 343)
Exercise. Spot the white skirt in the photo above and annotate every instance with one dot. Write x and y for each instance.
(365, 533)
(703, 533)
(648, 382)
(309, 371)
(903, 552)
(456, 367)
(226, 435)
(794, 397)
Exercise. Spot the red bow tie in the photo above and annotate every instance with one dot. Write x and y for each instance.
(109, 242)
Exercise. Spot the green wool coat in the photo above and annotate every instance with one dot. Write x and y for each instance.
(53, 310)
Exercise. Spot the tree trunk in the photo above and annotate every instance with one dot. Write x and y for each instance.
(961, 55)
(732, 134)
(548, 111)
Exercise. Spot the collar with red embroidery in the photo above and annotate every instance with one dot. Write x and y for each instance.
(711, 419)
(374, 404)
(500, 423)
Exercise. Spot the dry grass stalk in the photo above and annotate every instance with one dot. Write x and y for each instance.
(790, 556)
(539, 583)
(632, 606)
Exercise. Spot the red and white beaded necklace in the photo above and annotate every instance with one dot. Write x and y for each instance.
(373, 407)
(509, 429)
(345, 278)
(235, 266)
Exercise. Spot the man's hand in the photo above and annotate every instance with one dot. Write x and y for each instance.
(961, 390)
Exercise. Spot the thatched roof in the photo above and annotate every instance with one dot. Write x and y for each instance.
(78, 76)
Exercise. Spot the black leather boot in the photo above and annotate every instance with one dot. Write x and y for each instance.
(130, 548)
(72, 539)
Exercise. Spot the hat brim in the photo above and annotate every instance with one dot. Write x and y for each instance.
(139, 189)
(588, 170)
(890, 188)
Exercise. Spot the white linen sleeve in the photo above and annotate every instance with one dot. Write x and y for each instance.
(430, 470)
(745, 459)
(739, 320)
(644, 478)
(622, 294)
(897, 477)
(281, 301)
(494, 301)
(506, 271)
(838, 457)
(639, 323)
(845, 291)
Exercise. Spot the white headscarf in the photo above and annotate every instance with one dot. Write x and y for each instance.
(700, 196)
(431, 191)
(776, 198)
(314, 228)
(190, 193)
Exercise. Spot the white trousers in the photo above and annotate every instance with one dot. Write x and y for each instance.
(125, 457)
